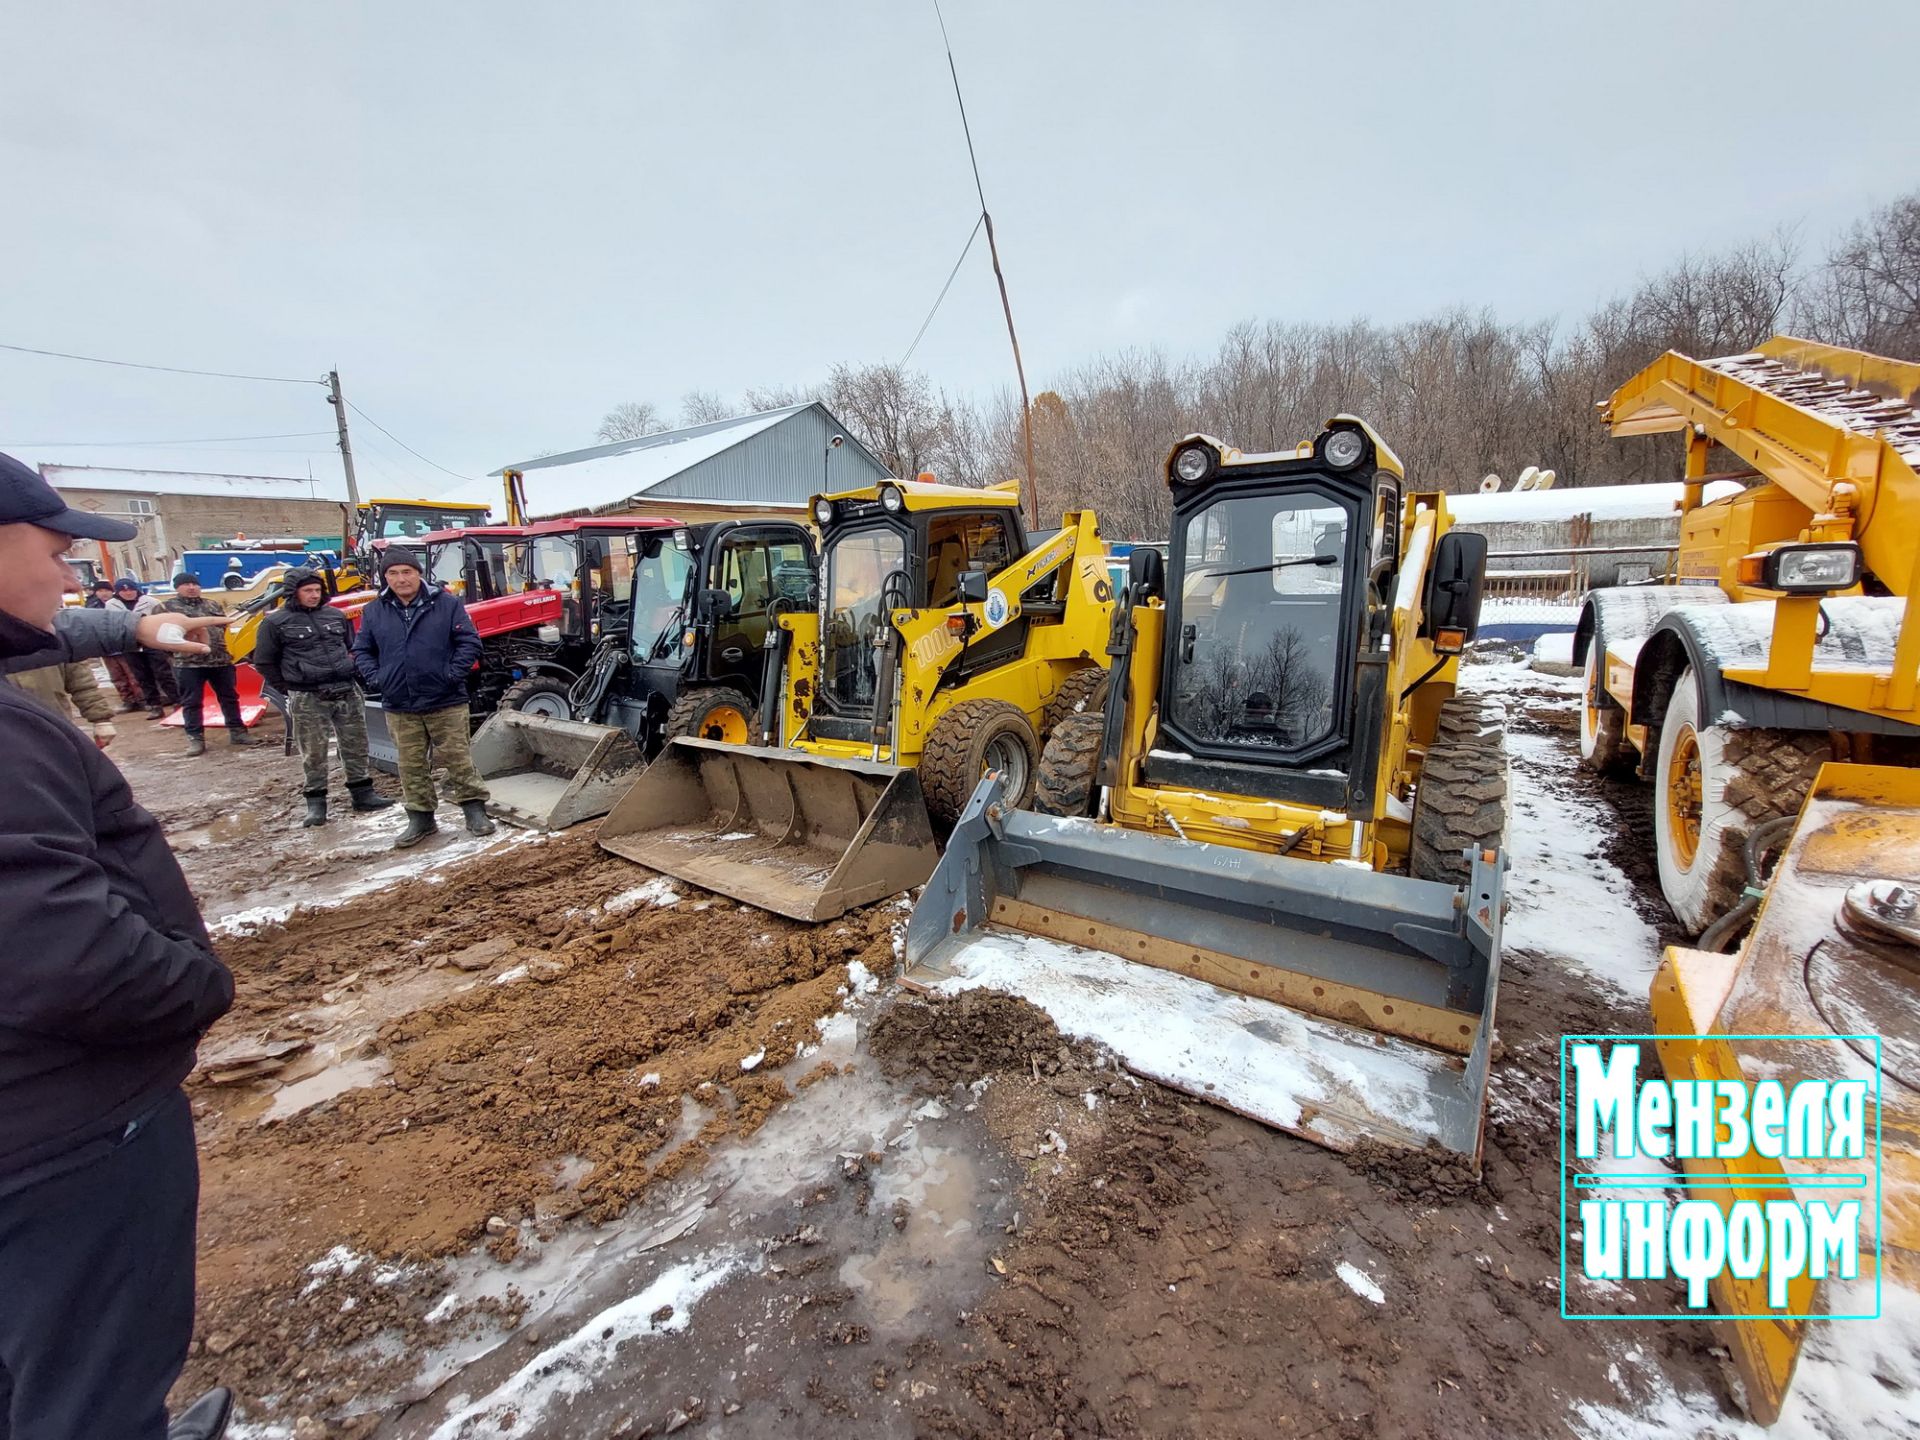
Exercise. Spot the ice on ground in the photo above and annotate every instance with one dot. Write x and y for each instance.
(508, 977)
(657, 891)
(340, 1260)
(752, 1062)
(1361, 1283)
(861, 979)
(1288, 1069)
(1569, 902)
(516, 1406)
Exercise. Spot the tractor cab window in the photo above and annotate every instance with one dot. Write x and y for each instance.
(959, 543)
(1258, 650)
(858, 565)
(659, 594)
(754, 569)
(447, 568)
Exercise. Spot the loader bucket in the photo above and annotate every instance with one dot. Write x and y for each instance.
(548, 774)
(801, 835)
(1332, 1002)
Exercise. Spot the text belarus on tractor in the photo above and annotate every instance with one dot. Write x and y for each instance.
(1282, 795)
(942, 643)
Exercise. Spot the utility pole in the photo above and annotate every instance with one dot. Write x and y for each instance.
(349, 529)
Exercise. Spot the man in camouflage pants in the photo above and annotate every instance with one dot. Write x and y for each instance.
(304, 650)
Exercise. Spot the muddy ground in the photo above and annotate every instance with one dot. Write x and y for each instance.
(515, 1139)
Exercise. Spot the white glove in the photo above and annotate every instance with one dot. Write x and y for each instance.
(103, 733)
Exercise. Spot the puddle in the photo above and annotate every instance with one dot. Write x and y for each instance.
(335, 1079)
(942, 1235)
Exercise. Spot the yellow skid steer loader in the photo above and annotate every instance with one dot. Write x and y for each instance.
(943, 645)
(1271, 868)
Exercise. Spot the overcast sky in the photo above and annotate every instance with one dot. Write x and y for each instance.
(499, 219)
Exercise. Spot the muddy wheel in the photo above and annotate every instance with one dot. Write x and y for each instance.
(1461, 802)
(1080, 692)
(1712, 785)
(1066, 784)
(714, 712)
(1603, 724)
(541, 695)
(972, 738)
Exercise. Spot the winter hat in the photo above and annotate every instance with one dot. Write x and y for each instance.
(185, 577)
(399, 555)
(300, 575)
(126, 582)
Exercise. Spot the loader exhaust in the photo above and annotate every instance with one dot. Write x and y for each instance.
(801, 835)
(547, 774)
(1338, 1004)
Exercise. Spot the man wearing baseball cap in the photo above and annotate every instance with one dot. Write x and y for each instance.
(107, 982)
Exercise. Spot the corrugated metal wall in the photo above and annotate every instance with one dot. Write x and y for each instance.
(787, 462)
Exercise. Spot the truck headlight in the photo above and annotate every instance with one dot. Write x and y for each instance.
(1809, 569)
(1194, 463)
(823, 512)
(892, 499)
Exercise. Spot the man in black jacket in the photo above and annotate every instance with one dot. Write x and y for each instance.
(416, 646)
(305, 651)
(107, 982)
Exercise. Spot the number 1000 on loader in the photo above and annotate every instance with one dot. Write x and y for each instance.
(1283, 797)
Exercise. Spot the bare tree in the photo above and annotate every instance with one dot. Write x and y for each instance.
(1867, 295)
(630, 420)
(703, 407)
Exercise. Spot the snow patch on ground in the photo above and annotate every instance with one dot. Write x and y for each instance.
(1361, 1283)
(1568, 901)
(657, 891)
(515, 1408)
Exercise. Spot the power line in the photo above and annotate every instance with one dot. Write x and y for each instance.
(159, 444)
(965, 250)
(169, 369)
(965, 129)
(403, 444)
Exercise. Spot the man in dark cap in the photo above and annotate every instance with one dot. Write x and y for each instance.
(305, 650)
(416, 646)
(196, 674)
(107, 982)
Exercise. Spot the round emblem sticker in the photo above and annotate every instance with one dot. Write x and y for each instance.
(996, 609)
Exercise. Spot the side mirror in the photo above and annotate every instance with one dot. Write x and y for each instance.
(1146, 574)
(973, 587)
(714, 605)
(1454, 583)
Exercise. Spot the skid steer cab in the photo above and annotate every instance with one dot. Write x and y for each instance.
(1282, 796)
(942, 643)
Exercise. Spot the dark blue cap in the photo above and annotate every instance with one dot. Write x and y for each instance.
(26, 499)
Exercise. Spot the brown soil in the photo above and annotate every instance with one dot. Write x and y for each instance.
(491, 1086)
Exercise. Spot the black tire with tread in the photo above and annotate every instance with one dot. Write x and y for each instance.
(1461, 803)
(687, 713)
(1080, 692)
(955, 755)
(1065, 784)
(1603, 728)
(516, 695)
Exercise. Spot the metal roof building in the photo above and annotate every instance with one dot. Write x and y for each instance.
(774, 459)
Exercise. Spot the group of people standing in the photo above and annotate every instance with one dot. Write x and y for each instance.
(110, 979)
(152, 679)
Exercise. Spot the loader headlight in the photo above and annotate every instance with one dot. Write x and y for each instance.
(1804, 569)
(1344, 448)
(1194, 463)
(823, 512)
(892, 499)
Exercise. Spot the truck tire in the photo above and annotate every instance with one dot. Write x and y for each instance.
(1461, 802)
(714, 712)
(1603, 724)
(1065, 785)
(973, 737)
(1712, 785)
(1080, 692)
(543, 695)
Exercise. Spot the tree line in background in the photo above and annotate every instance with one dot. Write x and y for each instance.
(1459, 394)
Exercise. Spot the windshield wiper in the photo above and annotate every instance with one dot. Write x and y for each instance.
(1276, 565)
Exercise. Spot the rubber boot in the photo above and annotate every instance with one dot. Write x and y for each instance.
(157, 712)
(477, 821)
(196, 744)
(419, 826)
(240, 737)
(316, 810)
(365, 797)
(205, 1419)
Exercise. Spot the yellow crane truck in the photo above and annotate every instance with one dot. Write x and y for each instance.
(1772, 696)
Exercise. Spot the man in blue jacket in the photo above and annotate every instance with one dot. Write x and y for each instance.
(415, 647)
(107, 982)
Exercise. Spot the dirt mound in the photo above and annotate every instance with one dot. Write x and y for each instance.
(600, 1049)
(1423, 1176)
(958, 1038)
